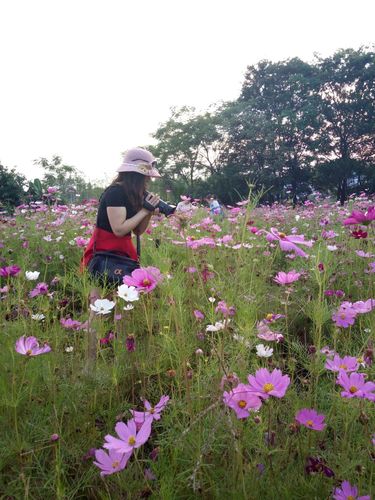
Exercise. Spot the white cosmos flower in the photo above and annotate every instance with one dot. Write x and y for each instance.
(38, 317)
(69, 348)
(216, 327)
(211, 299)
(127, 293)
(264, 352)
(128, 307)
(102, 306)
(32, 275)
(332, 248)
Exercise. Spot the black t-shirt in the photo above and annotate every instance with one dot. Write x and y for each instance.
(113, 196)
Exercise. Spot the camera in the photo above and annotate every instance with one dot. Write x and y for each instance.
(164, 208)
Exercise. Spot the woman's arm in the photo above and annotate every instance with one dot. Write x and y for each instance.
(120, 224)
(139, 222)
(142, 226)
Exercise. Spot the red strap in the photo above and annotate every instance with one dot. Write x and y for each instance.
(109, 242)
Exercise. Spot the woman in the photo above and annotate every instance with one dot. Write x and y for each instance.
(215, 207)
(121, 209)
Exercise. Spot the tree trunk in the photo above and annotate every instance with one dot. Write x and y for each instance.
(343, 191)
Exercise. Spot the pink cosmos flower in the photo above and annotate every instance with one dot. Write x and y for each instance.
(40, 289)
(243, 400)
(288, 243)
(224, 309)
(198, 314)
(152, 412)
(344, 317)
(129, 437)
(327, 351)
(265, 333)
(310, 419)
(71, 324)
(29, 346)
(287, 278)
(270, 318)
(81, 242)
(144, 279)
(355, 386)
(358, 217)
(266, 384)
(348, 492)
(363, 307)
(8, 271)
(205, 241)
(111, 462)
(347, 364)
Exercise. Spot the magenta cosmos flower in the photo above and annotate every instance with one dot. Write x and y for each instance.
(348, 492)
(310, 419)
(9, 271)
(129, 437)
(266, 384)
(29, 346)
(243, 400)
(198, 314)
(355, 386)
(347, 364)
(111, 462)
(152, 412)
(358, 217)
(287, 278)
(40, 289)
(288, 243)
(344, 317)
(144, 279)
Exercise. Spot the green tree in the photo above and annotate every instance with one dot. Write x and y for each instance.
(72, 186)
(187, 146)
(347, 106)
(11, 188)
(276, 125)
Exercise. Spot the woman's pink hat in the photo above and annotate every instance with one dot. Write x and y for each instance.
(139, 160)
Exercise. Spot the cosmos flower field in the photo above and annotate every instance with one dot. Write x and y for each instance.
(238, 362)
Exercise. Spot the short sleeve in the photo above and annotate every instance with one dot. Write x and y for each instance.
(115, 197)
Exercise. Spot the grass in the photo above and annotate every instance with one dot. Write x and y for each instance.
(204, 451)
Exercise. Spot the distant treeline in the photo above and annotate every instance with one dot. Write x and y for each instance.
(296, 127)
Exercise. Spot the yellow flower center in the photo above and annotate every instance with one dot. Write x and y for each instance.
(115, 464)
(269, 317)
(310, 423)
(344, 367)
(350, 497)
(268, 387)
(146, 282)
(242, 403)
(131, 440)
(342, 315)
(152, 411)
(353, 389)
(282, 235)
(29, 352)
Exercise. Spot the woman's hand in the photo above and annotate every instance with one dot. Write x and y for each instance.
(153, 200)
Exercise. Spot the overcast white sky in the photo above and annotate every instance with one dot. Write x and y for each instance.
(86, 79)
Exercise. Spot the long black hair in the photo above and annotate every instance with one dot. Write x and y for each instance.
(134, 186)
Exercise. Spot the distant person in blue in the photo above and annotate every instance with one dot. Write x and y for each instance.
(215, 207)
